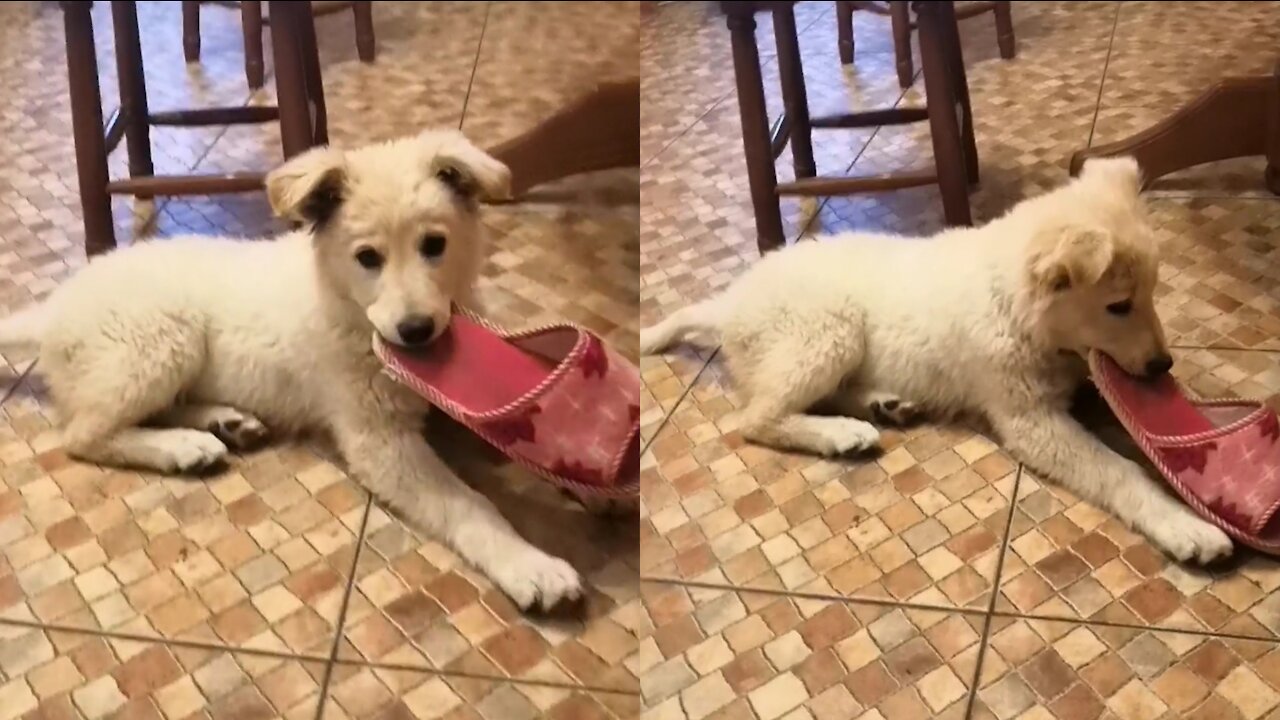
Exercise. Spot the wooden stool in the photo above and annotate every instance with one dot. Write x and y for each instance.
(251, 21)
(955, 153)
(900, 15)
(301, 112)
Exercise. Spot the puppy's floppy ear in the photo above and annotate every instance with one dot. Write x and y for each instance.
(466, 169)
(1121, 175)
(309, 187)
(1069, 257)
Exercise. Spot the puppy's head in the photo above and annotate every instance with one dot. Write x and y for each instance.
(1092, 270)
(396, 225)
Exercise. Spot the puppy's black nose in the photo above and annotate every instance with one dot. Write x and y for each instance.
(1159, 365)
(416, 330)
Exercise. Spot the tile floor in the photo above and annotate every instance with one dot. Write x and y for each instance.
(942, 579)
(278, 589)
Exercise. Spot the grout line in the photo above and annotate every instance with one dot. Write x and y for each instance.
(18, 382)
(342, 611)
(1263, 351)
(475, 67)
(1135, 626)
(816, 596)
(688, 389)
(1102, 84)
(158, 640)
(405, 667)
(995, 594)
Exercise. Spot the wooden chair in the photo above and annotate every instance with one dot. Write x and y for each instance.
(955, 154)
(252, 21)
(899, 13)
(300, 111)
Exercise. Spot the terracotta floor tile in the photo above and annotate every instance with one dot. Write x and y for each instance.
(922, 523)
(51, 673)
(106, 549)
(780, 656)
(366, 692)
(1050, 669)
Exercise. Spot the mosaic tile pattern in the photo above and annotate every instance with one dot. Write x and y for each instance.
(362, 692)
(54, 674)
(924, 523)
(722, 521)
(130, 594)
(717, 653)
(1039, 669)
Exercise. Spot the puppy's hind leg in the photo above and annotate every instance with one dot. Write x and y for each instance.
(877, 406)
(798, 367)
(104, 388)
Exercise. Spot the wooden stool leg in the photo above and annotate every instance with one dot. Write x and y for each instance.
(755, 132)
(960, 87)
(86, 124)
(794, 97)
(365, 45)
(944, 126)
(191, 30)
(251, 26)
(1004, 30)
(844, 28)
(900, 15)
(133, 89)
(311, 73)
(1272, 174)
(296, 134)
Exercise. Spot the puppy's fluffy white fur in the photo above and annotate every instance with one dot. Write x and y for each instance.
(162, 355)
(994, 320)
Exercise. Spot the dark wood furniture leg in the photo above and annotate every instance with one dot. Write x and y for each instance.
(306, 25)
(844, 30)
(251, 26)
(366, 47)
(900, 16)
(1234, 118)
(944, 126)
(86, 123)
(950, 28)
(296, 132)
(133, 89)
(794, 97)
(755, 131)
(1004, 29)
(191, 30)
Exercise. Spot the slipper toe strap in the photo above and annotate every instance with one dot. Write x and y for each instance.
(581, 429)
(1235, 476)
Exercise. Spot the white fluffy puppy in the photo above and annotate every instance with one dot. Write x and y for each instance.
(993, 320)
(165, 354)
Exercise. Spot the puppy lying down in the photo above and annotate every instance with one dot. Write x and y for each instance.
(994, 320)
(166, 355)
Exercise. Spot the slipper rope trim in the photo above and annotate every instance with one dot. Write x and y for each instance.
(1131, 425)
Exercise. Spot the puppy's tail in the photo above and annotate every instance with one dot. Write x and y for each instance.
(698, 324)
(24, 329)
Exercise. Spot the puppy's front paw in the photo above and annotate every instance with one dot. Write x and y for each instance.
(190, 451)
(537, 578)
(1190, 538)
(850, 436)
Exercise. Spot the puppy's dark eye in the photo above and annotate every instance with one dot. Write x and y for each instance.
(1120, 308)
(369, 258)
(432, 246)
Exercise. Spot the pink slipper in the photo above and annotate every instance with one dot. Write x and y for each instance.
(1221, 456)
(554, 399)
